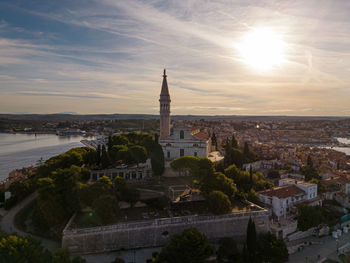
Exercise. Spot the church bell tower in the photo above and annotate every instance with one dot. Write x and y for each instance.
(164, 102)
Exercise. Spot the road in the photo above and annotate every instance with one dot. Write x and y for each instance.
(8, 226)
(321, 248)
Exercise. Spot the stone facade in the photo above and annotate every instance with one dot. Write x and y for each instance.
(140, 172)
(185, 141)
(157, 232)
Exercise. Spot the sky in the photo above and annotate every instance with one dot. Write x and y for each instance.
(107, 56)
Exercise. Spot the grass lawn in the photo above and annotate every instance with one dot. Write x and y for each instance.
(86, 219)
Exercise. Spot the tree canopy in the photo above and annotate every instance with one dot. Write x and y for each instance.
(190, 246)
(218, 203)
(14, 248)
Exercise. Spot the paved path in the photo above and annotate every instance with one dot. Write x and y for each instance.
(8, 226)
(325, 247)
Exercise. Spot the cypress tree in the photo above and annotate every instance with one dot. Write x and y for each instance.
(251, 240)
(251, 177)
(245, 254)
(110, 143)
(246, 149)
(214, 141)
(98, 153)
(228, 153)
(234, 143)
(156, 138)
(309, 161)
(105, 160)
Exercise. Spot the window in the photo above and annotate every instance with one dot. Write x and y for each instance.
(195, 154)
(182, 152)
(182, 134)
(168, 154)
(168, 144)
(195, 145)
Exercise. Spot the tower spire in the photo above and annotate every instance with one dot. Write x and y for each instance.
(164, 102)
(165, 91)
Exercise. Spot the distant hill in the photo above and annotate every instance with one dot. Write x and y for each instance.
(76, 117)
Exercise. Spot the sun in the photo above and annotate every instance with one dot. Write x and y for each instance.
(262, 49)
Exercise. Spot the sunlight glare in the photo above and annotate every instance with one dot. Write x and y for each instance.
(262, 49)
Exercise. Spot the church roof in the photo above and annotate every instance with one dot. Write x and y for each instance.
(165, 91)
(201, 135)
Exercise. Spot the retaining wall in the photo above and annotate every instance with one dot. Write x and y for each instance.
(157, 232)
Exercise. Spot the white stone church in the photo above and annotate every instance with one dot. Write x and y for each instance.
(185, 141)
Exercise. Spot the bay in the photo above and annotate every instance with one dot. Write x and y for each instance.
(22, 150)
(345, 150)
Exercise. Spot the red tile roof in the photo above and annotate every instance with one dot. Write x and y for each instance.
(201, 135)
(337, 180)
(283, 191)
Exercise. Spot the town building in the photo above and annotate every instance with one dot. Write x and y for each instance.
(130, 173)
(309, 188)
(338, 189)
(281, 199)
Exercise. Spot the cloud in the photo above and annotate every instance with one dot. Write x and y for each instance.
(115, 51)
(91, 95)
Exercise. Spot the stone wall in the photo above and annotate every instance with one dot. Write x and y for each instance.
(157, 232)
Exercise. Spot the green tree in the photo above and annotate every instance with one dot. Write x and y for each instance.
(232, 172)
(110, 143)
(14, 248)
(118, 260)
(105, 180)
(78, 259)
(65, 183)
(120, 183)
(105, 159)
(214, 141)
(91, 157)
(274, 174)
(125, 156)
(51, 204)
(89, 192)
(138, 153)
(246, 149)
(217, 181)
(120, 140)
(309, 161)
(190, 246)
(321, 188)
(228, 158)
(98, 154)
(130, 194)
(238, 157)
(218, 203)
(252, 196)
(312, 216)
(185, 163)
(228, 251)
(61, 255)
(310, 173)
(157, 160)
(251, 240)
(234, 143)
(271, 249)
(106, 207)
